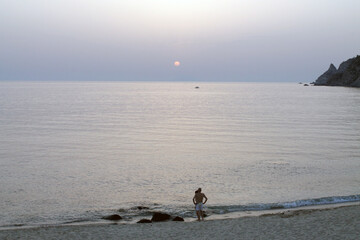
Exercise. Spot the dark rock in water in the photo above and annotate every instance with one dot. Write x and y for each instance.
(114, 217)
(141, 208)
(159, 217)
(306, 85)
(197, 87)
(178, 219)
(347, 75)
(144, 221)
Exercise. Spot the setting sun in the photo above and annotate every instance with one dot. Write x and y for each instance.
(176, 63)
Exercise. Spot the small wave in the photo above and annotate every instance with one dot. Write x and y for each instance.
(13, 225)
(78, 221)
(284, 205)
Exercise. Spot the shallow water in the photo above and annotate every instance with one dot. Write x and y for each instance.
(75, 151)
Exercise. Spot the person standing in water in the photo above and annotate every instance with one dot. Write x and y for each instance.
(199, 204)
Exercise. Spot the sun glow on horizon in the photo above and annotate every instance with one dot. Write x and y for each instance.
(177, 63)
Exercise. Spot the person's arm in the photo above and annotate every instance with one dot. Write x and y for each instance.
(205, 199)
(194, 200)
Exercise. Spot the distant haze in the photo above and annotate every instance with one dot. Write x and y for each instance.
(127, 40)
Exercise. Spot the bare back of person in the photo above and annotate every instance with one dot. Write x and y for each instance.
(199, 197)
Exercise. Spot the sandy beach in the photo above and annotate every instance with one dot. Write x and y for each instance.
(329, 223)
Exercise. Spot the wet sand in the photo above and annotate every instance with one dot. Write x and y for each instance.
(329, 223)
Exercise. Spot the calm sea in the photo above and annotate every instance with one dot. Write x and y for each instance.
(76, 151)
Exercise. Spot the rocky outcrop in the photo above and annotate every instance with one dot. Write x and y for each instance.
(114, 217)
(348, 74)
(323, 79)
(178, 219)
(144, 221)
(159, 217)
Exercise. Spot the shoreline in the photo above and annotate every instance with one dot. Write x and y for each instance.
(322, 222)
(212, 217)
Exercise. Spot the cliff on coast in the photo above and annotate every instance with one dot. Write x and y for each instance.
(348, 74)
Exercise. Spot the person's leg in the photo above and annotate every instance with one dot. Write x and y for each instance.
(198, 215)
(202, 215)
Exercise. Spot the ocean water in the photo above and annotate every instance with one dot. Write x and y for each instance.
(77, 151)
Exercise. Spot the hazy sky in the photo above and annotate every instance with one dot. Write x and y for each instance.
(223, 40)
